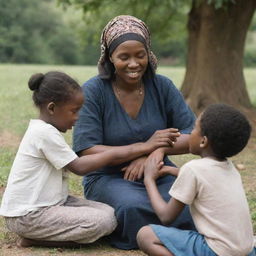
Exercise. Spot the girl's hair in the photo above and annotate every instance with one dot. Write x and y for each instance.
(53, 86)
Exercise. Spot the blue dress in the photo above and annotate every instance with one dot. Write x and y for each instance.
(103, 121)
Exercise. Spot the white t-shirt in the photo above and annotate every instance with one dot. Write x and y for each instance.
(36, 178)
(218, 205)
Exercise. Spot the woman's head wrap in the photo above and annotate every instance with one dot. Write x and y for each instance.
(117, 31)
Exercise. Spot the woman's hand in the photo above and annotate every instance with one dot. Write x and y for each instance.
(163, 138)
(134, 171)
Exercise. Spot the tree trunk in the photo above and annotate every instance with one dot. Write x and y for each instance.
(214, 71)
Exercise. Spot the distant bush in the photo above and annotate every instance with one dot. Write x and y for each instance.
(34, 32)
(250, 56)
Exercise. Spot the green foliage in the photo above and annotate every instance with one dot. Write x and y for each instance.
(167, 23)
(70, 34)
(220, 3)
(6, 158)
(253, 24)
(33, 32)
(250, 57)
(166, 20)
(250, 49)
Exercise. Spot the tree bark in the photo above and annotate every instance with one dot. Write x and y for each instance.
(214, 70)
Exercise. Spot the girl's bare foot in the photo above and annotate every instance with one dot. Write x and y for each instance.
(24, 242)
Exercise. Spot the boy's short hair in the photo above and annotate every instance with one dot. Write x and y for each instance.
(227, 129)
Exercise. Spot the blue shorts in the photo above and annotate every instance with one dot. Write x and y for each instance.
(184, 242)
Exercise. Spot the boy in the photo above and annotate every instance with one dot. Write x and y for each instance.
(211, 186)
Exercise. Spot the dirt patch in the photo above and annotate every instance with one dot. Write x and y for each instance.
(96, 249)
(8, 139)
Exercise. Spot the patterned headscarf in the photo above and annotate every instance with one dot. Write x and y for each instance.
(118, 30)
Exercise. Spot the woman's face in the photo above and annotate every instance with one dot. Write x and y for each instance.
(130, 60)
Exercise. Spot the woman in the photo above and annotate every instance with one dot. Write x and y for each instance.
(125, 104)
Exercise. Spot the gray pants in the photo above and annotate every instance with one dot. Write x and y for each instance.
(78, 220)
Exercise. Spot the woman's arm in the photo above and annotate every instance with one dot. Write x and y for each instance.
(136, 168)
(181, 146)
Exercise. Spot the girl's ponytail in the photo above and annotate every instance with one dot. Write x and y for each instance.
(35, 81)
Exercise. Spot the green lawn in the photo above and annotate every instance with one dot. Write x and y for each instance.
(16, 108)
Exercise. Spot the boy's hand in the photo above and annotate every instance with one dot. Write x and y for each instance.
(168, 170)
(151, 168)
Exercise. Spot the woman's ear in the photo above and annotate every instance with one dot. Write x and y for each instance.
(204, 142)
(50, 107)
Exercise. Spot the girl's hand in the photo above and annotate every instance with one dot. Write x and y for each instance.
(134, 171)
(163, 138)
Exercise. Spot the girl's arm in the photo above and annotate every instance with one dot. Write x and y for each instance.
(87, 163)
(161, 138)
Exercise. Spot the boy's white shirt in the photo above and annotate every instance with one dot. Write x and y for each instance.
(218, 204)
(37, 178)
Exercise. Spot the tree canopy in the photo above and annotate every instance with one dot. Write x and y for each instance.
(65, 36)
(216, 36)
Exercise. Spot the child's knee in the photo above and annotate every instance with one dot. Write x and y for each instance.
(108, 221)
(143, 235)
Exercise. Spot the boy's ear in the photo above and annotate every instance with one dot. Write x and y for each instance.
(204, 142)
(50, 107)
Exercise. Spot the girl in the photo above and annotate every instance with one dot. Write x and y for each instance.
(36, 204)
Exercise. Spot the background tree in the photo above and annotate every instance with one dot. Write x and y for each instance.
(214, 71)
(216, 39)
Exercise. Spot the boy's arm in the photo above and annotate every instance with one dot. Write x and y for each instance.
(169, 170)
(166, 212)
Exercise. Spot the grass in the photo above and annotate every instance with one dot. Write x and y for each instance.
(16, 109)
